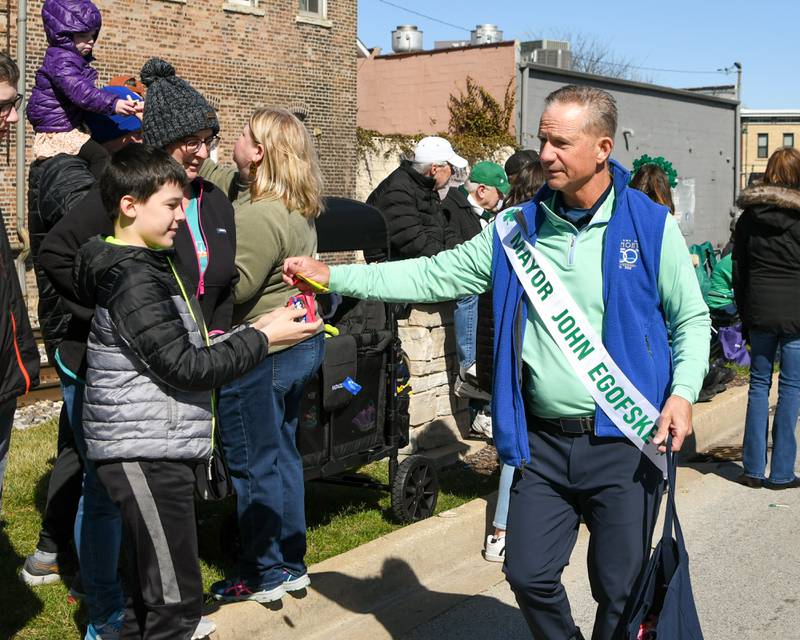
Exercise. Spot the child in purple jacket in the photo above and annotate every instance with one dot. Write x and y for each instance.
(65, 85)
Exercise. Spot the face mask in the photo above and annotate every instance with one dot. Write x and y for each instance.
(499, 205)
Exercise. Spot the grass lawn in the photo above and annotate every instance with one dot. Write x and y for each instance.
(339, 519)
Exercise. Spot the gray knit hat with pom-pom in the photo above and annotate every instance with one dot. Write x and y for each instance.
(173, 110)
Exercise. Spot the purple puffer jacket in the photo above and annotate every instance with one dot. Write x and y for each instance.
(65, 83)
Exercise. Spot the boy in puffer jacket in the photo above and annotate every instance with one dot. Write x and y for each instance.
(148, 407)
(65, 85)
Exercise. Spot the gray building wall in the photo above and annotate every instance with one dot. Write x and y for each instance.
(697, 133)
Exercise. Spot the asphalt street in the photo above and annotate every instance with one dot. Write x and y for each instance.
(744, 547)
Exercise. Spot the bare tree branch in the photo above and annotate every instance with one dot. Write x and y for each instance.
(592, 55)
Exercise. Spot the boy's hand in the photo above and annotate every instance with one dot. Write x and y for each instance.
(283, 327)
(125, 107)
(310, 268)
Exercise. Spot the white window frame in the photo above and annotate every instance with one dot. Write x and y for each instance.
(252, 7)
(322, 14)
(319, 18)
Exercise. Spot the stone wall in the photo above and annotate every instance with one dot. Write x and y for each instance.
(437, 416)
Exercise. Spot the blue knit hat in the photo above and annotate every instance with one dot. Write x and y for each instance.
(105, 128)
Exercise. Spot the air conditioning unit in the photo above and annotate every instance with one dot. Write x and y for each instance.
(553, 53)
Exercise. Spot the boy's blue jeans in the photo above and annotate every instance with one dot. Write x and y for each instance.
(258, 423)
(465, 319)
(98, 524)
(763, 347)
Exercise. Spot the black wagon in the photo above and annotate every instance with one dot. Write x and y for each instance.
(355, 409)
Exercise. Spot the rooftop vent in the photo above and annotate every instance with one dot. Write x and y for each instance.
(406, 38)
(486, 34)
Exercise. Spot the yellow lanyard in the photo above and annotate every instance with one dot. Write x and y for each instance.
(204, 331)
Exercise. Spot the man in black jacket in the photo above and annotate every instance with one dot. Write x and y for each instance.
(19, 356)
(409, 201)
(55, 186)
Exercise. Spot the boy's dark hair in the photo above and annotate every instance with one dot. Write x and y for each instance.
(138, 171)
(9, 71)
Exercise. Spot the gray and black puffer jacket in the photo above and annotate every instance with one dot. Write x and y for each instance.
(149, 374)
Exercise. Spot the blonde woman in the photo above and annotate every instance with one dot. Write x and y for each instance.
(275, 211)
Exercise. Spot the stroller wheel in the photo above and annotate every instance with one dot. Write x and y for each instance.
(415, 489)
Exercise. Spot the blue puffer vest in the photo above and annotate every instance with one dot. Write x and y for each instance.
(634, 330)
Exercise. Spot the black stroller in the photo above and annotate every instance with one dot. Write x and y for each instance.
(355, 409)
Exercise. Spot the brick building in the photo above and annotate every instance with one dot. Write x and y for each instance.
(764, 131)
(239, 53)
(408, 93)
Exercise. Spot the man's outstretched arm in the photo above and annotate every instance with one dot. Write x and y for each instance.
(465, 270)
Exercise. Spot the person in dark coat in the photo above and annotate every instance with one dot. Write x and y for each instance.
(19, 355)
(55, 186)
(65, 91)
(179, 119)
(468, 209)
(766, 282)
(409, 201)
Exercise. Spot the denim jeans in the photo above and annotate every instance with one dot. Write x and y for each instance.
(465, 319)
(7, 410)
(763, 347)
(258, 425)
(503, 497)
(98, 524)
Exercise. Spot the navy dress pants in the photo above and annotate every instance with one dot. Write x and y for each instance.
(617, 491)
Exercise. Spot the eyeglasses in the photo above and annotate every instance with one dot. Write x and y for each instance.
(192, 145)
(16, 103)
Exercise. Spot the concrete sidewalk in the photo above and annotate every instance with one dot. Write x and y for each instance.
(742, 547)
(395, 584)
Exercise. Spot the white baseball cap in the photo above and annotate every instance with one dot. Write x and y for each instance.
(436, 150)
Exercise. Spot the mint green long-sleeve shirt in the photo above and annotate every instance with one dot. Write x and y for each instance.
(553, 388)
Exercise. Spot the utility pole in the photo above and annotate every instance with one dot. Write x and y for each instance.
(737, 145)
(737, 156)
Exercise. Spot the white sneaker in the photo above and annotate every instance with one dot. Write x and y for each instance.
(204, 629)
(295, 583)
(482, 424)
(495, 549)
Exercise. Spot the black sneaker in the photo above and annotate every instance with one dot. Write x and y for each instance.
(750, 481)
(466, 386)
(792, 484)
(37, 571)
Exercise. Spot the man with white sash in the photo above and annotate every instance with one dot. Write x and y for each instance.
(585, 279)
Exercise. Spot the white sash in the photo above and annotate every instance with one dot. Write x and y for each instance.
(628, 409)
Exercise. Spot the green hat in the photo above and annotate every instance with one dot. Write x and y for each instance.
(492, 175)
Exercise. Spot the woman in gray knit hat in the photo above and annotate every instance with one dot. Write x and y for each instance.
(179, 119)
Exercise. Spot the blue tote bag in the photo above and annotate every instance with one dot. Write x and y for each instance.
(663, 608)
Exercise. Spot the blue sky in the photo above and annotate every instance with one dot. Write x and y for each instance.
(695, 35)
